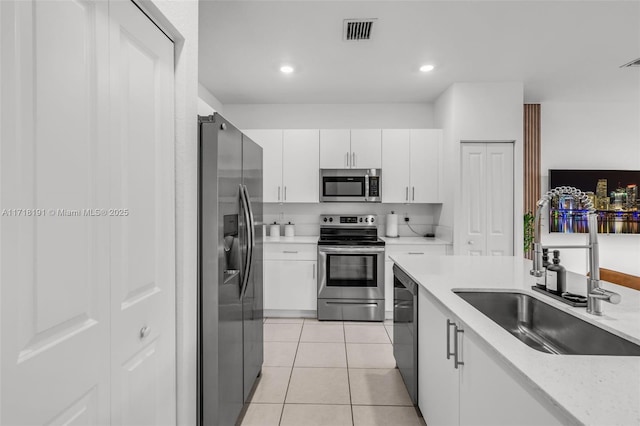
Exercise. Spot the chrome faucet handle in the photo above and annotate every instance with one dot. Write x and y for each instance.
(606, 295)
(536, 273)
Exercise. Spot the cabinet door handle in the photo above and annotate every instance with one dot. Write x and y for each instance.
(145, 331)
(278, 193)
(347, 158)
(353, 159)
(413, 193)
(449, 353)
(416, 252)
(289, 251)
(456, 361)
(314, 271)
(406, 193)
(285, 193)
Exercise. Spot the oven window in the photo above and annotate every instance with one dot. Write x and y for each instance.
(343, 186)
(352, 270)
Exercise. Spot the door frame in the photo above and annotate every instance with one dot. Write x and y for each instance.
(517, 186)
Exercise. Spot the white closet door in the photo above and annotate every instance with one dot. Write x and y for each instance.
(474, 200)
(142, 242)
(487, 199)
(499, 199)
(54, 262)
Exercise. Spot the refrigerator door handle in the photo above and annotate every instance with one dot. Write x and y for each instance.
(252, 239)
(245, 212)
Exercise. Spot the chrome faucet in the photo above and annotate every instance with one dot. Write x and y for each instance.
(595, 293)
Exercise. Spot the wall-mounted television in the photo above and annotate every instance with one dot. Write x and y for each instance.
(614, 193)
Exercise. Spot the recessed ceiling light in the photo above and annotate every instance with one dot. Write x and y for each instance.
(287, 69)
(426, 68)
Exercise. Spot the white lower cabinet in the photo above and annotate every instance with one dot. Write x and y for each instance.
(290, 273)
(479, 391)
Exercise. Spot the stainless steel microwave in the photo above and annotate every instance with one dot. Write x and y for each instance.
(350, 185)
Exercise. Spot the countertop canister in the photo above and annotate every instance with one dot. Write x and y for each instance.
(274, 230)
(289, 230)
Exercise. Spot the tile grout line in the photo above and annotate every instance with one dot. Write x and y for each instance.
(346, 355)
(284, 402)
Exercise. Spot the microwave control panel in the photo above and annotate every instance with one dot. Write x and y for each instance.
(374, 186)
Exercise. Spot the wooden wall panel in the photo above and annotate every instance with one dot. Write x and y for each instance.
(531, 158)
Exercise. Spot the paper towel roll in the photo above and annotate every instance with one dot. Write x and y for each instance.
(289, 230)
(392, 225)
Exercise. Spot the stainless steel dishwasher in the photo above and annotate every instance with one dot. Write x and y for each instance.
(405, 330)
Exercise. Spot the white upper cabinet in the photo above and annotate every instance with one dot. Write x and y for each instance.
(335, 148)
(300, 159)
(290, 164)
(396, 157)
(412, 166)
(271, 142)
(351, 149)
(366, 148)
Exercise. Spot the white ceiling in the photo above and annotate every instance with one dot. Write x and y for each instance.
(561, 50)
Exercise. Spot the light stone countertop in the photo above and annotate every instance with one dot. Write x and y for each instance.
(580, 389)
(414, 240)
(302, 239)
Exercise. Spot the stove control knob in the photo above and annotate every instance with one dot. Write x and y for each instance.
(360, 219)
(325, 219)
(330, 219)
(372, 219)
(366, 219)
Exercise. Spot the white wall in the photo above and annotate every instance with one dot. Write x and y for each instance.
(580, 135)
(330, 116)
(180, 20)
(483, 112)
(306, 217)
(207, 103)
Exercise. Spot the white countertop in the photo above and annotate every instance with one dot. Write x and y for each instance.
(313, 239)
(303, 239)
(414, 240)
(595, 390)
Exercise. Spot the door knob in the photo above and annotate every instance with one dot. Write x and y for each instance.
(144, 332)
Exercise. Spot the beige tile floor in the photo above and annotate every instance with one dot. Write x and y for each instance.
(329, 374)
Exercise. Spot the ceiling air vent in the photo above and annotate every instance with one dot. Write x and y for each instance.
(358, 29)
(634, 63)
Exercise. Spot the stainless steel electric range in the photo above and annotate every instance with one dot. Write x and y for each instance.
(350, 269)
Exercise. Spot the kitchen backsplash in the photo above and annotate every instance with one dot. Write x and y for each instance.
(423, 218)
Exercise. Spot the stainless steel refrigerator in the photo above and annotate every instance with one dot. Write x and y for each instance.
(230, 302)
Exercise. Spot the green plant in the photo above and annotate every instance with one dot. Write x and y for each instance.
(529, 228)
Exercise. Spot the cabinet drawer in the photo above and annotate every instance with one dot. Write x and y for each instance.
(415, 250)
(277, 251)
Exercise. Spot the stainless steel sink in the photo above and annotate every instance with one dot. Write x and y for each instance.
(545, 328)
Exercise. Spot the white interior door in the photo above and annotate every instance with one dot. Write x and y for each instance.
(473, 199)
(142, 241)
(54, 261)
(487, 199)
(500, 199)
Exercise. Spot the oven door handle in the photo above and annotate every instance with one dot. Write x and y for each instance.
(350, 249)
